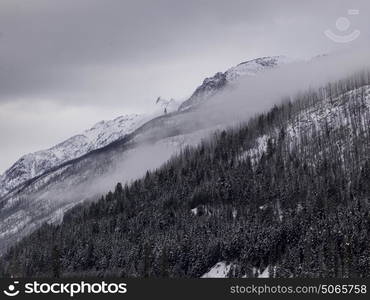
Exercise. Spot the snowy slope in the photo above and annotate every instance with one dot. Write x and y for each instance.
(100, 135)
(212, 85)
(47, 197)
(219, 270)
(333, 115)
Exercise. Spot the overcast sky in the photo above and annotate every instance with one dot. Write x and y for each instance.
(65, 65)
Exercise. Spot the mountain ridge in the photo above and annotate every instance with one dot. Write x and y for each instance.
(36, 163)
(104, 132)
(214, 84)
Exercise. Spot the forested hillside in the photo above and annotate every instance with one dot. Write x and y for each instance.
(289, 191)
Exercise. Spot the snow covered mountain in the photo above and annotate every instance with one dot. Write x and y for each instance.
(105, 132)
(220, 80)
(300, 143)
(86, 166)
(46, 197)
(100, 135)
(41, 186)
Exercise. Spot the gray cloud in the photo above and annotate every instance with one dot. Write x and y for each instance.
(98, 59)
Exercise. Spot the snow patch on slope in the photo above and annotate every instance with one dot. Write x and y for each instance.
(219, 270)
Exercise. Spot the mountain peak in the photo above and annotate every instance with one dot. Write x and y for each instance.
(211, 85)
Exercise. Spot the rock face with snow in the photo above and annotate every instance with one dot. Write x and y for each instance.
(100, 135)
(220, 80)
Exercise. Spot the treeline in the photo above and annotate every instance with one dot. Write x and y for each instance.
(298, 203)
